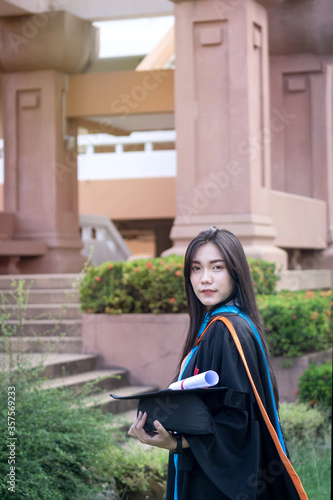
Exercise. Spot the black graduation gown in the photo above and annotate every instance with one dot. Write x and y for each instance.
(239, 461)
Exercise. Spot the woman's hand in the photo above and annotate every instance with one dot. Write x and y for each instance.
(162, 438)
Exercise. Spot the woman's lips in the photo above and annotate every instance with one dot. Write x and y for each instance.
(207, 292)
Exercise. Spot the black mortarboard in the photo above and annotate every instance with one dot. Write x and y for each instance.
(186, 411)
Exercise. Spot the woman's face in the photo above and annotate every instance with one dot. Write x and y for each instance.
(209, 277)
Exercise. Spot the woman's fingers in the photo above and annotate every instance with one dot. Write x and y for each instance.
(138, 424)
(160, 429)
(137, 419)
(161, 438)
(141, 422)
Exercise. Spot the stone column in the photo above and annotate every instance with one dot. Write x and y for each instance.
(301, 68)
(40, 143)
(222, 116)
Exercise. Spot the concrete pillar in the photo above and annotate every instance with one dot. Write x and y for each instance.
(40, 144)
(222, 116)
(302, 150)
(301, 74)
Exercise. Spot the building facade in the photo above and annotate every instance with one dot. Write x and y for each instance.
(241, 90)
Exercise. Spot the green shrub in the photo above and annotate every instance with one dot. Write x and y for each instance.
(135, 468)
(102, 287)
(150, 285)
(302, 424)
(297, 323)
(56, 445)
(138, 286)
(315, 386)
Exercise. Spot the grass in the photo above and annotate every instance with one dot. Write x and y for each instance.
(313, 465)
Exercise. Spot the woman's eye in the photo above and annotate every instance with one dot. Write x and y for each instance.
(195, 268)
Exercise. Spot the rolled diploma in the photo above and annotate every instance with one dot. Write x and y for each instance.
(205, 379)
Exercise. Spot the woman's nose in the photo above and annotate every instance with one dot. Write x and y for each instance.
(206, 277)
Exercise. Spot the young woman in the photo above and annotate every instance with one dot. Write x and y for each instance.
(245, 458)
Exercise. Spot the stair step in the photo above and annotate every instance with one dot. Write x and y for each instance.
(105, 380)
(46, 327)
(41, 311)
(34, 281)
(47, 296)
(61, 345)
(107, 404)
(55, 364)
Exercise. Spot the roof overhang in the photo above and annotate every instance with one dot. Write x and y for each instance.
(91, 10)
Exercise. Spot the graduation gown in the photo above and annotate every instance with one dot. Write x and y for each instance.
(239, 460)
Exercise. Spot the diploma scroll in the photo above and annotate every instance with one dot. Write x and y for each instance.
(205, 379)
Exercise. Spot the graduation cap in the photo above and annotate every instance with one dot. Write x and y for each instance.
(187, 411)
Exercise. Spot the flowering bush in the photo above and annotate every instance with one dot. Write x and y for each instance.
(297, 323)
(151, 286)
(139, 286)
(264, 276)
(102, 290)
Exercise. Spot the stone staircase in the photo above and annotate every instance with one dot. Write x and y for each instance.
(49, 318)
(75, 371)
(48, 325)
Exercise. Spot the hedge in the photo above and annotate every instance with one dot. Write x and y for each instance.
(151, 286)
(297, 323)
(315, 386)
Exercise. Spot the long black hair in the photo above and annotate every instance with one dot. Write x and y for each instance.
(242, 295)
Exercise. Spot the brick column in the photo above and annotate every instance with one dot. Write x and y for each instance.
(301, 69)
(40, 144)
